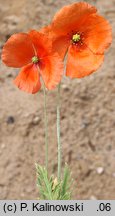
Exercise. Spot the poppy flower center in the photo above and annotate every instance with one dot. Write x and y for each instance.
(76, 38)
(35, 59)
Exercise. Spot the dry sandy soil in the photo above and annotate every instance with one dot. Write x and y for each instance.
(87, 114)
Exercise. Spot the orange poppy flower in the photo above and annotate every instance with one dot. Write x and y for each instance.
(33, 52)
(78, 29)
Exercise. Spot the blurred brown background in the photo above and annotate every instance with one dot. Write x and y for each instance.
(87, 113)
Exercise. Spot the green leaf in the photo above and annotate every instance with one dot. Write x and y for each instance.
(52, 189)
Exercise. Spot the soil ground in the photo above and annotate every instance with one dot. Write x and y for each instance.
(87, 114)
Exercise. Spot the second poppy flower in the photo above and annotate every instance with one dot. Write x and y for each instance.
(78, 29)
(33, 52)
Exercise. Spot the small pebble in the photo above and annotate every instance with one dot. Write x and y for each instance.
(36, 120)
(10, 120)
(65, 87)
(9, 74)
(13, 19)
(84, 124)
(100, 170)
(93, 198)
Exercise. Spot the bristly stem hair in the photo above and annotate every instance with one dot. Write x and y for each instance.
(58, 133)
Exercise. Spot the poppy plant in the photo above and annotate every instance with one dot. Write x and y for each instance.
(33, 52)
(82, 32)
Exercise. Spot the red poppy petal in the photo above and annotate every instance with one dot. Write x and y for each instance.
(82, 62)
(42, 44)
(98, 35)
(69, 17)
(28, 79)
(60, 44)
(18, 50)
(51, 69)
